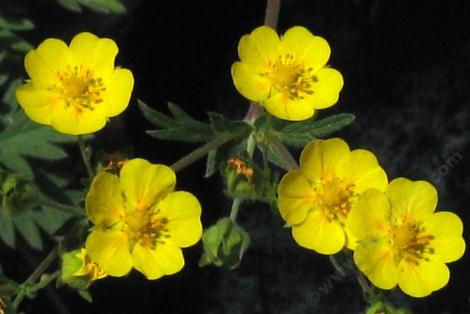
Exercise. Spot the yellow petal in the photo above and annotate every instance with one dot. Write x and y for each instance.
(261, 46)
(165, 259)
(322, 156)
(104, 201)
(183, 212)
(419, 280)
(446, 228)
(250, 84)
(313, 50)
(118, 92)
(110, 250)
(283, 107)
(319, 234)
(38, 104)
(370, 215)
(144, 183)
(43, 63)
(413, 201)
(76, 121)
(295, 197)
(363, 171)
(326, 89)
(376, 260)
(96, 54)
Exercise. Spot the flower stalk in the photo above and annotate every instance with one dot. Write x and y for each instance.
(86, 156)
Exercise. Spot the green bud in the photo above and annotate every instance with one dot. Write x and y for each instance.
(244, 179)
(224, 244)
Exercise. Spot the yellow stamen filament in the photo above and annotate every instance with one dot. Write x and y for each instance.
(334, 196)
(146, 228)
(411, 243)
(79, 88)
(290, 77)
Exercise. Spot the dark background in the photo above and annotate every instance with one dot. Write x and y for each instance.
(406, 70)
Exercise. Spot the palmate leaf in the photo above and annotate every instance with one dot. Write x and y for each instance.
(23, 138)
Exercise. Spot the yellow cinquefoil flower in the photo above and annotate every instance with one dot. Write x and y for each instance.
(286, 75)
(140, 221)
(401, 240)
(316, 199)
(89, 269)
(74, 88)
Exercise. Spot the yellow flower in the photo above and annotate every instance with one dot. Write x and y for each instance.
(401, 240)
(74, 88)
(140, 221)
(286, 75)
(316, 199)
(89, 269)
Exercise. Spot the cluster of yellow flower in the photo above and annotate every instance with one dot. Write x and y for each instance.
(341, 198)
(338, 199)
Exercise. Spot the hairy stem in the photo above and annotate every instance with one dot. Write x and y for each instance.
(35, 275)
(85, 156)
(203, 150)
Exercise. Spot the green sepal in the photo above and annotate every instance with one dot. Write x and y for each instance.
(224, 244)
(70, 265)
(298, 134)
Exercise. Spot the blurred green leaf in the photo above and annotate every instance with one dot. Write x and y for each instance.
(298, 134)
(3, 79)
(27, 228)
(22, 46)
(71, 5)
(224, 244)
(24, 138)
(13, 24)
(7, 229)
(104, 6)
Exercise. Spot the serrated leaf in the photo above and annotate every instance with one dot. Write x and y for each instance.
(181, 127)
(104, 6)
(274, 156)
(71, 5)
(7, 229)
(9, 98)
(28, 229)
(16, 24)
(50, 219)
(22, 138)
(300, 133)
(155, 117)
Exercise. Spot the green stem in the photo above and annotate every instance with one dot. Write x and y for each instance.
(85, 156)
(234, 210)
(35, 275)
(203, 150)
(367, 290)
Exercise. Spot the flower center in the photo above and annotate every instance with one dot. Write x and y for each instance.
(79, 88)
(146, 228)
(411, 242)
(335, 197)
(290, 77)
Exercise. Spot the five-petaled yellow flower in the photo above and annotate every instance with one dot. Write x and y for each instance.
(401, 240)
(74, 88)
(140, 221)
(316, 199)
(288, 75)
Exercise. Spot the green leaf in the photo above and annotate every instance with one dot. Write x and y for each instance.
(71, 5)
(7, 229)
(16, 24)
(3, 78)
(298, 134)
(180, 127)
(28, 229)
(9, 97)
(104, 6)
(22, 46)
(50, 219)
(24, 138)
